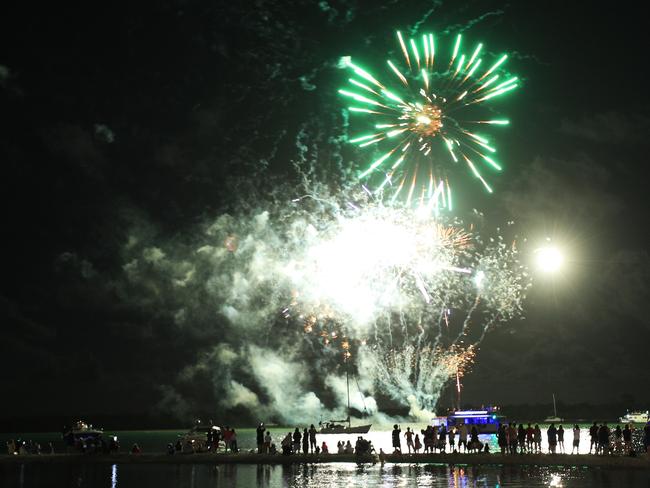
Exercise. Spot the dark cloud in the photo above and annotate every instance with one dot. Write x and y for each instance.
(608, 128)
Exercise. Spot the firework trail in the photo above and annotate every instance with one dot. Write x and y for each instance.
(429, 119)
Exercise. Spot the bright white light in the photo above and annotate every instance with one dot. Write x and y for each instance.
(359, 267)
(423, 119)
(478, 278)
(549, 259)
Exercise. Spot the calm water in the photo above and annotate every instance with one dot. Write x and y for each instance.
(323, 475)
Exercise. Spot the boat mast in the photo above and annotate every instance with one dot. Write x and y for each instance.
(554, 409)
(347, 383)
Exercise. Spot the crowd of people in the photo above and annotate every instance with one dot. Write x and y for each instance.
(436, 439)
(22, 447)
(512, 438)
(516, 438)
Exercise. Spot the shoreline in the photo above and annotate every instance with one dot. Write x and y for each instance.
(565, 460)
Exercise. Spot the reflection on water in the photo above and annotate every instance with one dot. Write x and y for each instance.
(340, 475)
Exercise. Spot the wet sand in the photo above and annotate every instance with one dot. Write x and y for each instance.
(641, 462)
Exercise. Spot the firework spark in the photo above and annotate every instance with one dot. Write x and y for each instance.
(430, 120)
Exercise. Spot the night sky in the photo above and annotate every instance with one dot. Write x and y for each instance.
(129, 127)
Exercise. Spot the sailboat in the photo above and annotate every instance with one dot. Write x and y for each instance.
(554, 418)
(339, 426)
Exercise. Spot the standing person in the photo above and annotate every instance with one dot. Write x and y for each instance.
(551, 434)
(473, 439)
(340, 447)
(442, 438)
(312, 438)
(593, 434)
(462, 436)
(603, 439)
(267, 442)
(397, 446)
(260, 437)
(512, 438)
(296, 440)
(227, 438)
(233, 441)
(409, 439)
(305, 441)
(502, 438)
(418, 444)
(560, 438)
(576, 439)
(286, 444)
(530, 435)
(452, 438)
(538, 438)
(521, 438)
(618, 439)
(627, 438)
(433, 438)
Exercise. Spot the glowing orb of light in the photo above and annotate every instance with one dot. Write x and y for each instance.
(549, 259)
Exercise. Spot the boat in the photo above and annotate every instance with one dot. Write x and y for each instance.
(82, 434)
(486, 421)
(554, 418)
(635, 417)
(199, 436)
(81, 429)
(338, 426)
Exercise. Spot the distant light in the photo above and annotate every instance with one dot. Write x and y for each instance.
(478, 279)
(549, 259)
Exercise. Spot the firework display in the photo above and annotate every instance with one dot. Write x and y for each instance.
(411, 294)
(429, 118)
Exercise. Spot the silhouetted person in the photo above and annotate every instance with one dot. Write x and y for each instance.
(462, 436)
(618, 439)
(409, 439)
(296, 440)
(593, 434)
(530, 436)
(551, 434)
(473, 439)
(305, 441)
(538, 438)
(560, 438)
(603, 439)
(501, 438)
(260, 437)
(312, 438)
(418, 444)
(576, 439)
(627, 438)
(521, 438)
(397, 446)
